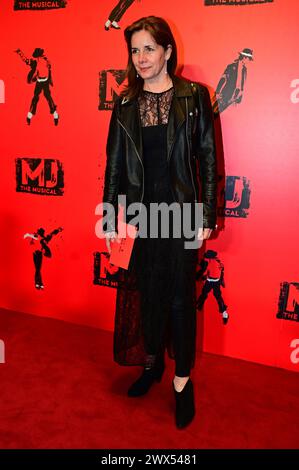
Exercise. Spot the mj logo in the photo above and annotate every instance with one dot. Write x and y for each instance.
(111, 82)
(34, 5)
(288, 303)
(235, 197)
(105, 274)
(39, 176)
(209, 3)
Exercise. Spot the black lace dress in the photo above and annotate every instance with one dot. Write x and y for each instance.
(163, 313)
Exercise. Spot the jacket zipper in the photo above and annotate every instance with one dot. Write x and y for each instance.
(137, 156)
(170, 152)
(168, 159)
(188, 143)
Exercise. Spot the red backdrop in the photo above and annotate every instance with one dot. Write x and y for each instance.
(257, 244)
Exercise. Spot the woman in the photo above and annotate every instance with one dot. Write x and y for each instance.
(161, 125)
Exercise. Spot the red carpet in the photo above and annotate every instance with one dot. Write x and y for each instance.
(61, 389)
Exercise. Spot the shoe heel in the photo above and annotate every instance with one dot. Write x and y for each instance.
(185, 408)
(142, 385)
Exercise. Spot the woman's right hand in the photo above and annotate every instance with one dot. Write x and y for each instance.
(111, 237)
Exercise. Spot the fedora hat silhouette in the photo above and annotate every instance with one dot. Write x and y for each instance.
(210, 254)
(38, 52)
(247, 53)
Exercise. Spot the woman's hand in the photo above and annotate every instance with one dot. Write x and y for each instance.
(111, 236)
(204, 234)
(207, 233)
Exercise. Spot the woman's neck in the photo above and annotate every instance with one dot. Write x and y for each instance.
(158, 87)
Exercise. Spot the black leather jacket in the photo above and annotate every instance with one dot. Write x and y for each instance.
(190, 138)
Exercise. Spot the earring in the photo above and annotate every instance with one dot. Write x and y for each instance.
(137, 75)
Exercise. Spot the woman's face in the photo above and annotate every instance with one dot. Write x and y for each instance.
(149, 58)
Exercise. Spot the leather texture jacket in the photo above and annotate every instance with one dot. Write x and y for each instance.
(190, 139)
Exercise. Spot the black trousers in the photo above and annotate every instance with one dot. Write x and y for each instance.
(182, 344)
(166, 273)
(45, 87)
(37, 259)
(120, 9)
(182, 323)
(208, 286)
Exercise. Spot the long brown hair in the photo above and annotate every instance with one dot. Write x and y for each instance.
(161, 32)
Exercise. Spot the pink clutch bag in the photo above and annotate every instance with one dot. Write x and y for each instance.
(121, 252)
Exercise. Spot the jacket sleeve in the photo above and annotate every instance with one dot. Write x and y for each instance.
(114, 152)
(207, 158)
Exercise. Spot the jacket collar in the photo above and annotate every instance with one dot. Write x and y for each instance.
(130, 118)
(182, 88)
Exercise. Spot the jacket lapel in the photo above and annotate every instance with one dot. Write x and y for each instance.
(175, 120)
(131, 122)
(130, 117)
(177, 115)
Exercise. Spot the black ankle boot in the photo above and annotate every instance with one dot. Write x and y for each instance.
(146, 380)
(185, 409)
